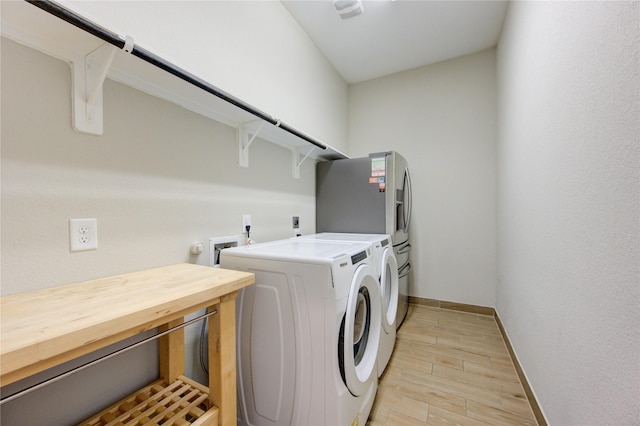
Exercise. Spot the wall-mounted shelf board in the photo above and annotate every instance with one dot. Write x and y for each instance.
(41, 30)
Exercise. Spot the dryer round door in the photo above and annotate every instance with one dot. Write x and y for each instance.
(360, 332)
(389, 290)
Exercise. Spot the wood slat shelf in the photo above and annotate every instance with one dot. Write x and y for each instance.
(45, 328)
(183, 402)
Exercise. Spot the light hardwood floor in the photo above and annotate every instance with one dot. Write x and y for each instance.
(450, 368)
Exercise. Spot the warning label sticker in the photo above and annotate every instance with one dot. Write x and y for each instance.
(378, 167)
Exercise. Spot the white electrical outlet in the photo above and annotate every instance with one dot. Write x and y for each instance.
(83, 234)
(246, 221)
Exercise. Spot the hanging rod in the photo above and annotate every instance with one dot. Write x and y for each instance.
(104, 358)
(114, 39)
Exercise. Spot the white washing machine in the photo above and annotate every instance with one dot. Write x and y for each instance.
(308, 332)
(386, 266)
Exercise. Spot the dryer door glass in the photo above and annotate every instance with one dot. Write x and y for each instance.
(361, 325)
(389, 289)
(360, 332)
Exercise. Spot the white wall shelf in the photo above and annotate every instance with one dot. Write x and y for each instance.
(92, 60)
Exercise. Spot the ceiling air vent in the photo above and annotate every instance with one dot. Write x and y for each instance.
(348, 8)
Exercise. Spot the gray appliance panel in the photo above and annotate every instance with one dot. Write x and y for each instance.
(346, 201)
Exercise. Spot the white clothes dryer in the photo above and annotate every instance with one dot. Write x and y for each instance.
(386, 266)
(308, 332)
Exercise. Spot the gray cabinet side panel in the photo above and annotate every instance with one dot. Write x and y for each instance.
(345, 200)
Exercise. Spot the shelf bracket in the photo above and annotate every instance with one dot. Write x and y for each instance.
(244, 141)
(296, 162)
(89, 73)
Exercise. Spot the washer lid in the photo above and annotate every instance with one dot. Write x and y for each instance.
(338, 236)
(312, 251)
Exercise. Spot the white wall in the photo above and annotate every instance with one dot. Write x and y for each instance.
(254, 50)
(159, 179)
(442, 118)
(569, 203)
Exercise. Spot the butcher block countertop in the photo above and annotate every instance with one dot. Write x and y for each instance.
(44, 328)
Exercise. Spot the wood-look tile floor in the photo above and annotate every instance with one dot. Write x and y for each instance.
(450, 368)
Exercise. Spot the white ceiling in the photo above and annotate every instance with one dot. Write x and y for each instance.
(392, 36)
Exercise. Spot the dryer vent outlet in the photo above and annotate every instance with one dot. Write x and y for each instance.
(216, 245)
